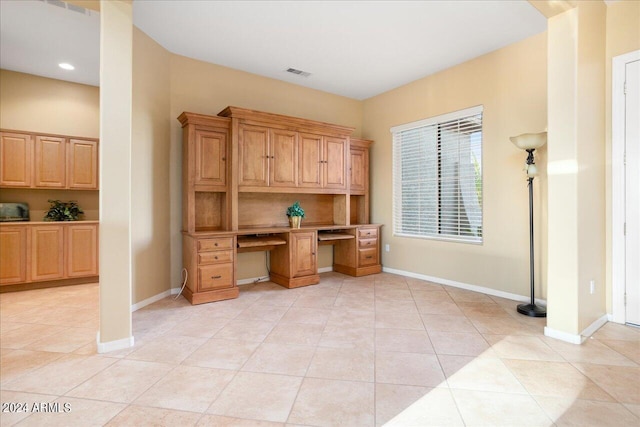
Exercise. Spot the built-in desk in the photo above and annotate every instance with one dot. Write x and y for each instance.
(210, 257)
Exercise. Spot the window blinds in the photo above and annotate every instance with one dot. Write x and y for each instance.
(437, 177)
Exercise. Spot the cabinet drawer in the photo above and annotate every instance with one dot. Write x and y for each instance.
(367, 256)
(367, 243)
(216, 257)
(215, 276)
(215, 244)
(368, 232)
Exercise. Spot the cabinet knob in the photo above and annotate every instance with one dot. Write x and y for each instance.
(215, 257)
(215, 244)
(224, 159)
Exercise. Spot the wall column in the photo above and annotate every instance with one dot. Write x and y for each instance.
(116, 38)
(576, 166)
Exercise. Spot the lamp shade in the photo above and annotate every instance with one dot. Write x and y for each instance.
(529, 141)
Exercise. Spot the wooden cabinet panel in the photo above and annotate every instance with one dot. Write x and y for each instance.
(13, 255)
(211, 157)
(335, 163)
(83, 164)
(47, 252)
(216, 276)
(216, 244)
(50, 162)
(16, 158)
(284, 158)
(303, 254)
(367, 257)
(310, 161)
(82, 250)
(358, 170)
(253, 149)
(215, 257)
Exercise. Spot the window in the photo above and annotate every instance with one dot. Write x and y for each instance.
(437, 177)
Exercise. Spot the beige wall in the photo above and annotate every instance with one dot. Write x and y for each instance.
(511, 84)
(150, 203)
(623, 36)
(38, 104)
(205, 88)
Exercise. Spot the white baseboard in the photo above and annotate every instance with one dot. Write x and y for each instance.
(469, 287)
(563, 336)
(575, 338)
(106, 347)
(325, 269)
(151, 300)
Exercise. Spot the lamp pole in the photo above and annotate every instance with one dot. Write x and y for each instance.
(531, 309)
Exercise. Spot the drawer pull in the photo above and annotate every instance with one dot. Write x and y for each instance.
(215, 257)
(216, 277)
(369, 256)
(215, 244)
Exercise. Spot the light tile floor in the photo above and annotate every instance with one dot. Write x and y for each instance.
(351, 352)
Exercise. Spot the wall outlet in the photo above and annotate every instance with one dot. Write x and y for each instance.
(592, 286)
(387, 248)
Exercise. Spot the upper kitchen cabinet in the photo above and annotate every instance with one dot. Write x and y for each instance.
(323, 162)
(48, 161)
(16, 159)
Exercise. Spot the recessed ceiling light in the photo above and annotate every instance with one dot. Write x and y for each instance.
(66, 66)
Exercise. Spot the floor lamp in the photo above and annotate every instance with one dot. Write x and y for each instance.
(529, 142)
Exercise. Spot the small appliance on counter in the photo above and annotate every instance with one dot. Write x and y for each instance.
(10, 212)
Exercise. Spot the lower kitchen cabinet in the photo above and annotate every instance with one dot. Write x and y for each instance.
(13, 255)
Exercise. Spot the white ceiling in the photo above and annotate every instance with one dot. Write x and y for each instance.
(357, 49)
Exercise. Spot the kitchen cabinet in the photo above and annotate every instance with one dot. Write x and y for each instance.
(322, 162)
(16, 159)
(82, 163)
(210, 159)
(13, 255)
(47, 252)
(29, 160)
(50, 162)
(82, 250)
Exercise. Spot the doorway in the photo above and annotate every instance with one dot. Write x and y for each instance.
(626, 188)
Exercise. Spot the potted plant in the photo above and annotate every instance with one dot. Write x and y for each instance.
(295, 214)
(63, 211)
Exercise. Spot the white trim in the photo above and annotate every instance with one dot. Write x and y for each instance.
(106, 347)
(469, 287)
(325, 269)
(618, 313)
(441, 118)
(137, 306)
(574, 338)
(563, 336)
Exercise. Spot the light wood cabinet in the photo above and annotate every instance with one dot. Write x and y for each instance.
(210, 264)
(82, 163)
(210, 158)
(359, 180)
(253, 152)
(13, 255)
(48, 161)
(37, 252)
(322, 162)
(295, 264)
(47, 252)
(16, 159)
(82, 250)
(283, 159)
(359, 256)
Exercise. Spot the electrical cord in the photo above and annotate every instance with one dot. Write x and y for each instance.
(184, 273)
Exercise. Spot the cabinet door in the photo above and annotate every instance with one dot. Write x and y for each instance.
(310, 161)
(51, 162)
(358, 170)
(47, 252)
(284, 158)
(83, 164)
(253, 150)
(82, 250)
(16, 157)
(303, 254)
(335, 163)
(13, 259)
(211, 158)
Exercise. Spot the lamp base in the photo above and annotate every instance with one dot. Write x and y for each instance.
(532, 310)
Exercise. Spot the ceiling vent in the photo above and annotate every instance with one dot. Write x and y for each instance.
(298, 72)
(68, 6)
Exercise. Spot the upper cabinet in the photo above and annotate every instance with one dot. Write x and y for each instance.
(48, 161)
(322, 161)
